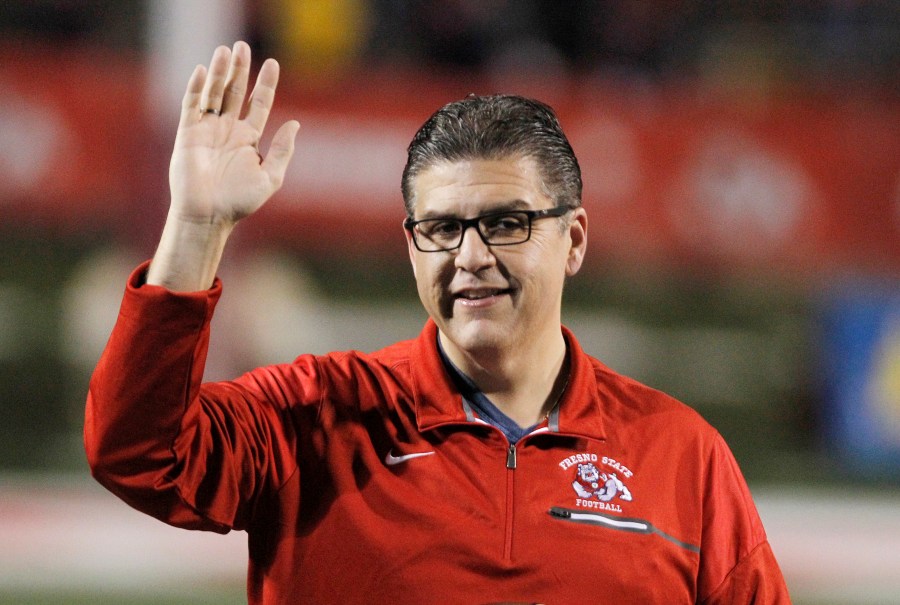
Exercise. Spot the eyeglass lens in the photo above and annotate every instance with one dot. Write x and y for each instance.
(496, 229)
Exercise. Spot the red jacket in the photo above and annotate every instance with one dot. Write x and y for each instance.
(364, 478)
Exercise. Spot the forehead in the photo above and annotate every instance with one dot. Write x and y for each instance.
(471, 187)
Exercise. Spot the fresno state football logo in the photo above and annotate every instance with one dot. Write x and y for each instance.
(591, 483)
(599, 481)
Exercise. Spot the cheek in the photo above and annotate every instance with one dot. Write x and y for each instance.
(541, 261)
(432, 281)
(544, 268)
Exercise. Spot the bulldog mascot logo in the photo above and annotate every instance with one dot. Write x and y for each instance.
(591, 483)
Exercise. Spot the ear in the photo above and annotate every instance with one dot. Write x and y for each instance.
(578, 238)
(411, 249)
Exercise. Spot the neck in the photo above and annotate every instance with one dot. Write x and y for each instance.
(525, 385)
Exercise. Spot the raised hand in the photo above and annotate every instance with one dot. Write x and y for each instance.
(217, 172)
(217, 175)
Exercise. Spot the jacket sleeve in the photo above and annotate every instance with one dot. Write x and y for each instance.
(193, 455)
(737, 566)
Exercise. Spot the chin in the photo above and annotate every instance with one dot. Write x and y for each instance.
(478, 338)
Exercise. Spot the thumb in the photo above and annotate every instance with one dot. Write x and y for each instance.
(280, 152)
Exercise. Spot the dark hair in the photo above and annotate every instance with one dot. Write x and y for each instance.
(496, 127)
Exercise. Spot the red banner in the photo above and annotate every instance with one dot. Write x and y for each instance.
(73, 136)
(808, 184)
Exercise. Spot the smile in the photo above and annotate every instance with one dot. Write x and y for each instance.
(480, 294)
(481, 297)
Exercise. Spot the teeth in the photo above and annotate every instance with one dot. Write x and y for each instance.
(479, 294)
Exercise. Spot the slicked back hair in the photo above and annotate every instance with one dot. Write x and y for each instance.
(496, 127)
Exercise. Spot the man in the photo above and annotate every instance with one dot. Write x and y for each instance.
(489, 460)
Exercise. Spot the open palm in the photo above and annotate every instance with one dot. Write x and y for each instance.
(217, 173)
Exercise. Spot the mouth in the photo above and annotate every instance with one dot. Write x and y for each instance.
(480, 296)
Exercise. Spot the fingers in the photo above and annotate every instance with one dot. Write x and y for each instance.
(190, 103)
(263, 95)
(280, 152)
(214, 87)
(221, 89)
(236, 83)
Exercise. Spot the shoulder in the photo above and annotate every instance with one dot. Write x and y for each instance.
(353, 373)
(311, 378)
(629, 403)
(392, 358)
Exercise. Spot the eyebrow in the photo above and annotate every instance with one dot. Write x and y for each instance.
(507, 206)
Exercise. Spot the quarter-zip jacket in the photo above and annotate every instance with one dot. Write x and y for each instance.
(363, 478)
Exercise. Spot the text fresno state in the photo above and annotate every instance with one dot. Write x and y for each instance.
(606, 461)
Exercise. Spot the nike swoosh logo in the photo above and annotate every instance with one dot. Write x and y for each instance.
(390, 459)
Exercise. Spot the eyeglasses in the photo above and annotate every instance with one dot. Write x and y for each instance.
(495, 228)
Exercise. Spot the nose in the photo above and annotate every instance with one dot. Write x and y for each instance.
(473, 254)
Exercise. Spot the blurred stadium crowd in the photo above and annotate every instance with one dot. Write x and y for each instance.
(833, 43)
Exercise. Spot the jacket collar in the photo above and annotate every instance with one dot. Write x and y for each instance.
(439, 402)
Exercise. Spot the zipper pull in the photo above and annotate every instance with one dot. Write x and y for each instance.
(511, 456)
(560, 512)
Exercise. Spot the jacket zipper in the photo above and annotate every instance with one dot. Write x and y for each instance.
(580, 516)
(510, 497)
(511, 457)
(639, 526)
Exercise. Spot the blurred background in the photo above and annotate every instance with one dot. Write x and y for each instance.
(741, 163)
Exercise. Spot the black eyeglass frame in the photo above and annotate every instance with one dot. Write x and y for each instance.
(410, 225)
